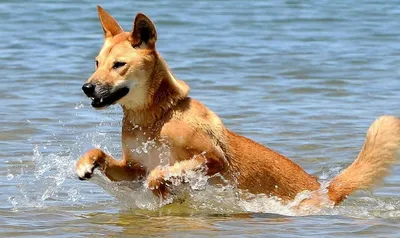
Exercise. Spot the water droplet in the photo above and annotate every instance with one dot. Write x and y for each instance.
(10, 176)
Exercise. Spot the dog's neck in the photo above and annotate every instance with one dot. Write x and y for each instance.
(165, 92)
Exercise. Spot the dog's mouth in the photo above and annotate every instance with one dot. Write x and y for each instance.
(103, 101)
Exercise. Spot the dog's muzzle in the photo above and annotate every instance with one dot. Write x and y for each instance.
(103, 96)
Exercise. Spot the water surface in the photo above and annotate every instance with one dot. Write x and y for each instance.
(305, 78)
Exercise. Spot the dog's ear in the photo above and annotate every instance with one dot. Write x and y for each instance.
(144, 32)
(110, 25)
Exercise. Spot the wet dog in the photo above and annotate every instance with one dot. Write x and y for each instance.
(157, 109)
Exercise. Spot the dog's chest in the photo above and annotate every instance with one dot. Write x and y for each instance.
(150, 152)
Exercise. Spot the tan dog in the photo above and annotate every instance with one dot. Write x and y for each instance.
(159, 114)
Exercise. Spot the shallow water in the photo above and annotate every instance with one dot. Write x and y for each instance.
(304, 78)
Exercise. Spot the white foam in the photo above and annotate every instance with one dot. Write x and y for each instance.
(50, 183)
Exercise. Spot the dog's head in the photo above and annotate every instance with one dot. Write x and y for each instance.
(124, 64)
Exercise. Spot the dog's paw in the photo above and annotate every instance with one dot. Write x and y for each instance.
(87, 163)
(84, 169)
(157, 183)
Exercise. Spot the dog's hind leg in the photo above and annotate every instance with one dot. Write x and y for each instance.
(115, 170)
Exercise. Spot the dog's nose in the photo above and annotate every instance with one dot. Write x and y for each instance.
(88, 89)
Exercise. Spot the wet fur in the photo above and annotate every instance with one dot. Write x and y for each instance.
(159, 109)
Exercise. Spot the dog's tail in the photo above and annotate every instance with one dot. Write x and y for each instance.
(373, 162)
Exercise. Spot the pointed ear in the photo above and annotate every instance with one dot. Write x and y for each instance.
(109, 24)
(144, 32)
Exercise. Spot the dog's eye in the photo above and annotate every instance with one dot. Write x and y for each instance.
(118, 65)
(97, 64)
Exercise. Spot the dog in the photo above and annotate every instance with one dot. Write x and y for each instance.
(157, 109)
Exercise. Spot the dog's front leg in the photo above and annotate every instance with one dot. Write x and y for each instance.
(161, 179)
(115, 170)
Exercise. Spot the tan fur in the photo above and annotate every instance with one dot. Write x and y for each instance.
(110, 25)
(193, 138)
(373, 162)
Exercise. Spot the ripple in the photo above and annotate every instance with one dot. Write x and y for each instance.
(304, 77)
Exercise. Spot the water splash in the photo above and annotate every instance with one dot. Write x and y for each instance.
(53, 181)
(50, 173)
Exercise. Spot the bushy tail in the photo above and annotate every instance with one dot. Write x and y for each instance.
(373, 162)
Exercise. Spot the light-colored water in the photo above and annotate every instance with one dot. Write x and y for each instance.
(303, 77)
